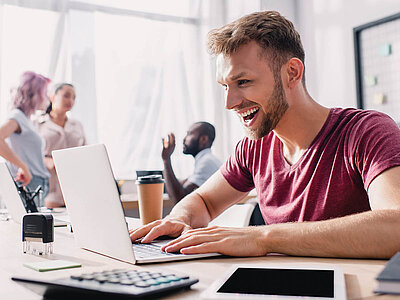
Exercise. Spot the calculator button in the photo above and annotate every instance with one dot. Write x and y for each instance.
(163, 280)
(127, 282)
(132, 273)
(113, 280)
(107, 273)
(152, 282)
(142, 273)
(101, 278)
(142, 284)
(173, 278)
(87, 276)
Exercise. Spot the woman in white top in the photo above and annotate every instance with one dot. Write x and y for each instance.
(59, 132)
(24, 147)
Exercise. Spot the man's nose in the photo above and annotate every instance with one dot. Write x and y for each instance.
(232, 98)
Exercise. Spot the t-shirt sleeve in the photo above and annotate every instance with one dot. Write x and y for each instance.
(17, 116)
(236, 171)
(376, 146)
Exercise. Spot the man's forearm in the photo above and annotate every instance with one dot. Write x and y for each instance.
(192, 210)
(175, 189)
(373, 234)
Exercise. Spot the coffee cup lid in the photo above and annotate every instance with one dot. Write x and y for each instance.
(149, 179)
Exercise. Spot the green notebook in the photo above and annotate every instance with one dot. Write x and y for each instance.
(50, 265)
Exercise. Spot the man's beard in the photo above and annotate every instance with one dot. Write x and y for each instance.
(192, 148)
(277, 106)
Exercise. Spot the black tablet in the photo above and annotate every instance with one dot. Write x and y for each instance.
(276, 282)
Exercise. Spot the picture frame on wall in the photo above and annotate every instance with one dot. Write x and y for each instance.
(377, 65)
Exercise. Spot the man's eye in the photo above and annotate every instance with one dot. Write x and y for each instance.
(242, 81)
(225, 86)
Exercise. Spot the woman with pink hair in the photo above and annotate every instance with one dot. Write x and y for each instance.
(24, 150)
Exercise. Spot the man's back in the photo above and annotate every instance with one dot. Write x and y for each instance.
(205, 165)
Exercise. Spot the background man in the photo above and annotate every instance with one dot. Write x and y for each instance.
(197, 142)
(327, 180)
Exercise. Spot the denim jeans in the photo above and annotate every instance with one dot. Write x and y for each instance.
(35, 182)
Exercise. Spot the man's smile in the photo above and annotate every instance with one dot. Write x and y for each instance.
(248, 114)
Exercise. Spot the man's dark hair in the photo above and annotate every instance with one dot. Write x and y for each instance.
(207, 129)
(272, 32)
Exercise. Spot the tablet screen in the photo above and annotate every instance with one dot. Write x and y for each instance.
(283, 282)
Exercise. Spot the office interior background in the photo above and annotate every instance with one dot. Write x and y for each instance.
(141, 68)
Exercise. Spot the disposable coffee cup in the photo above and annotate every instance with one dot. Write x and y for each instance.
(150, 191)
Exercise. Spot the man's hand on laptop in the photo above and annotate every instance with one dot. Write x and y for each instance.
(168, 226)
(247, 241)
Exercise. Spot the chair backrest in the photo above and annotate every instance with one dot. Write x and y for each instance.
(237, 215)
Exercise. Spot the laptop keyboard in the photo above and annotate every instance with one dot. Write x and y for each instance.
(150, 250)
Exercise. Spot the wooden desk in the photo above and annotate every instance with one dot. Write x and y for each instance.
(359, 273)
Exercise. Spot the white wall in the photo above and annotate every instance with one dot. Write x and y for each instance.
(326, 27)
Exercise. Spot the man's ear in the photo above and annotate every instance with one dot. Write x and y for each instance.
(203, 141)
(294, 72)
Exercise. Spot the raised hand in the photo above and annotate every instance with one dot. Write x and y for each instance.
(168, 146)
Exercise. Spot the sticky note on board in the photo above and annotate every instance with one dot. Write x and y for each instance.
(370, 80)
(379, 98)
(385, 49)
(50, 265)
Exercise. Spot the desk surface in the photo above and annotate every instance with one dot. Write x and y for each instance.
(359, 273)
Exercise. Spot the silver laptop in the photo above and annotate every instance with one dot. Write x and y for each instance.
(9, 194)
(95, 210)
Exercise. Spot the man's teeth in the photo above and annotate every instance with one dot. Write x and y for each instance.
(249, 112)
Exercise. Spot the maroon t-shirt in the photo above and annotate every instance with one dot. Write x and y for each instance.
(332, 177)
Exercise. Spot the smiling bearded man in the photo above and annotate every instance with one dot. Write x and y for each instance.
(327, 179)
